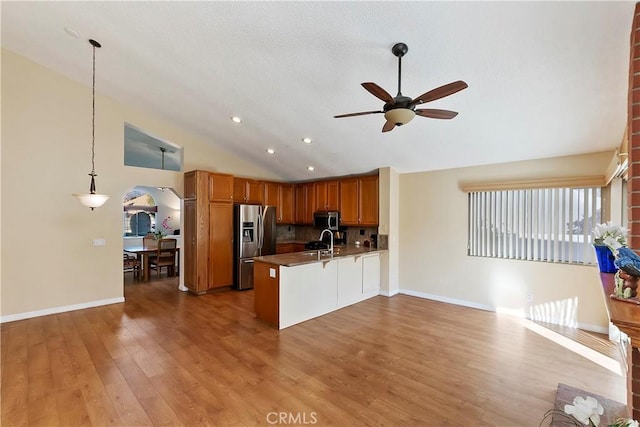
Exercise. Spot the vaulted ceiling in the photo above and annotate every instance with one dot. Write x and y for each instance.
(545, 78)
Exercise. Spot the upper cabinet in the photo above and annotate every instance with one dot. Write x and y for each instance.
(220, 188)
(349, 201)
(270, 193)
(305, 203)
(326, 195)
(368, 200)
(355, 197)
(359, 201)
(286, 207)
(248, 191)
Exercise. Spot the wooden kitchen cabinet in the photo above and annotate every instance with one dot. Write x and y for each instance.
(305, 203)
(286, 206)
(327, 195)
(220, 188)
(249, 191)
(207, 245)
(368, 200)
(220, 245)
(286, 248)
(349, 201)
(283, 197)
(359, 201)
(194, 249)
(195, 241)
(270, 193)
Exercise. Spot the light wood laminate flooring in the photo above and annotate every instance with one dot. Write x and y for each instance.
(169, 358)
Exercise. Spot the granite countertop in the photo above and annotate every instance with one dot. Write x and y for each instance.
(307, 257)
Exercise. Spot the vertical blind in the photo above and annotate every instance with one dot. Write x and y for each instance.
(551, 224)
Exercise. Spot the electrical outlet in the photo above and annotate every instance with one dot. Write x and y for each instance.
(99, 242)
(530, 297)
(362, 232)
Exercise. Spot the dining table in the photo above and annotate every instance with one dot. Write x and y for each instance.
(143, 252)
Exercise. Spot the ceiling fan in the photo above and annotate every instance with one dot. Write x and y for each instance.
(399, 110)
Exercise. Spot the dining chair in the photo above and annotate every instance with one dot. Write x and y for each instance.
(149, 242)
(165, 257)
(131, 264)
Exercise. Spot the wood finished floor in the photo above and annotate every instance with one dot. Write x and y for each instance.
(169, 358)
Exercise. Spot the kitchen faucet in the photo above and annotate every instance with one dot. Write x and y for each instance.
(331, 235)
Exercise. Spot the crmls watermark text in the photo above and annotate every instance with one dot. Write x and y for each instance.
(292, 418)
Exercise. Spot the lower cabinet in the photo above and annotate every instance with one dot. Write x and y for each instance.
(286, 248)
(358, 278)
(285, 296)
(307, 291)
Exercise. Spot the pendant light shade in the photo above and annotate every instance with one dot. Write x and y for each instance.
(93, 200)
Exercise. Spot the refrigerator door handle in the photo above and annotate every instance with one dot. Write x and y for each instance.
(260, 232)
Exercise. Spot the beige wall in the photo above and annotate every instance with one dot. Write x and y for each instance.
(433, 248)
(389, 225)
(48, 260)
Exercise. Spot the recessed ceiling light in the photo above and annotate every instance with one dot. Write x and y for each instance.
(236, 119)
(73, 33)
(307, 140)
(311, 168)
(271, 151)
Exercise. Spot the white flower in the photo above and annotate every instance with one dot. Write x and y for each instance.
(633, 423)
(612, 242)
(585, 410)
(601, 231)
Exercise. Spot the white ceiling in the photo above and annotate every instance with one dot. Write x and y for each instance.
(545, 78)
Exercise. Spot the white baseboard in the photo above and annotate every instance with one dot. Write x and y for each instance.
(389, 293)
(56, 310)
(516, 313)
(448, 300)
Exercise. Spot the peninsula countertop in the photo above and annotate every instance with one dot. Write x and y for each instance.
(307, 257)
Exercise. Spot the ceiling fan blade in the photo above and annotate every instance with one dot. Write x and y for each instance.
(440, 92)
(357, 114)
(436, 114)
(378, 92)
(388, 126)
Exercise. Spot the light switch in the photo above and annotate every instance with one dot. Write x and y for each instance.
(99, 242)
(272, 272)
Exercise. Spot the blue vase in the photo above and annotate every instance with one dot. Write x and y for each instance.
(605, 259)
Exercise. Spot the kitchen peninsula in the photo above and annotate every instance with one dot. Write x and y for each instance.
(294, 287)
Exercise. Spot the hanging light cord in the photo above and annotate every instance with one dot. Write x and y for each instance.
(93, 115)
(92, 187)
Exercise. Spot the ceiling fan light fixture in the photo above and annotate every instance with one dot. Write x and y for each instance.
(399, 116)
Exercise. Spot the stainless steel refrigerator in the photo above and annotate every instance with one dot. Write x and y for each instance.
(254, 235)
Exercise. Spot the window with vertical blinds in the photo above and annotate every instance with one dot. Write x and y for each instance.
(550, 224)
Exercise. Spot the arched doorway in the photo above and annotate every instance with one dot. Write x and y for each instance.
(149, 211)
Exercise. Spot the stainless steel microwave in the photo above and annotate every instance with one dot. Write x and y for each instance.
(326, 219)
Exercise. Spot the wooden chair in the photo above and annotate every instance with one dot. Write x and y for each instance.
(131, 264)
(165, 257)
(149, 242)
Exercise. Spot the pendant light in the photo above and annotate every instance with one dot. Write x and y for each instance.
(93, 200)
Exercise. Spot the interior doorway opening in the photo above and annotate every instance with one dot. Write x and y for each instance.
(148, 215)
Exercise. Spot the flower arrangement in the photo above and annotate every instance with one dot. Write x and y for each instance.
(609, 234)
(163, 229)
(586, 411)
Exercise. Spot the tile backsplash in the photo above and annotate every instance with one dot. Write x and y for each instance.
(307, 233)
(285, 232)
